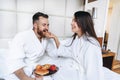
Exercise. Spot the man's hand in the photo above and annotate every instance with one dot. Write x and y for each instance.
(39, 78)
(22, 76)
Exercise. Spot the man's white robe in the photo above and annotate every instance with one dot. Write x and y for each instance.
(26, 51)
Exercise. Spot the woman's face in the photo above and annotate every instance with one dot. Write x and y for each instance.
(75, 27)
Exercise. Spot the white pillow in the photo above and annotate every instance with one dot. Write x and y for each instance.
(3, 54)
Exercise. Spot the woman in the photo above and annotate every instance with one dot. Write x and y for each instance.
(84, 48)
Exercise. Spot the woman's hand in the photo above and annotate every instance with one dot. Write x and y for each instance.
(49, 35)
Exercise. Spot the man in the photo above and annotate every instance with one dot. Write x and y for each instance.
(27, 48)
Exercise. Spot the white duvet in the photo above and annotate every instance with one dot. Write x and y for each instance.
(109, 75)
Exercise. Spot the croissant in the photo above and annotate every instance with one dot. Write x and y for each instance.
(41, 72)
(46, 66)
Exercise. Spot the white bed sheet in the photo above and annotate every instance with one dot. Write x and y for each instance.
(110, 75)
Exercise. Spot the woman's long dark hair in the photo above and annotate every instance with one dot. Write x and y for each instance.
(85, 22)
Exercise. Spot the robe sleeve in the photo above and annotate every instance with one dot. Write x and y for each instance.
(16, 55)
(51, 48)
(93, 63)
(64, 50)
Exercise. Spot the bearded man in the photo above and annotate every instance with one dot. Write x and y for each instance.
(28, 47)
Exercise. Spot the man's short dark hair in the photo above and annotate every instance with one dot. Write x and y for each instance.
(37, 15)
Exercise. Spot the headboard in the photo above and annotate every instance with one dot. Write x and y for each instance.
(100, 39)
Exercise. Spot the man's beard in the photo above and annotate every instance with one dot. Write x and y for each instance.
(41, 33)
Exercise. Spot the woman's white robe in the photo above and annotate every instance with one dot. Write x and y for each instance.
(88, 56)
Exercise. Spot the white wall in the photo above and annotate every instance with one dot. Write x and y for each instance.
(16, 16)
(7, 21)
(101, 11)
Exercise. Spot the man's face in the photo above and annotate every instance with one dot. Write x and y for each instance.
(42, 26)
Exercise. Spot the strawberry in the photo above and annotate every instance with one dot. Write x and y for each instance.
(53, 67)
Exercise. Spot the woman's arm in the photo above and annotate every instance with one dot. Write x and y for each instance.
(63, 50)
(51, 35)
(56, 41)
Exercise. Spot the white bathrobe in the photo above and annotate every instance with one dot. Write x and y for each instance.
(26, 51)
(89, 58)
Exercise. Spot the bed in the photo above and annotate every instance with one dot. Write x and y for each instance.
(109, 75)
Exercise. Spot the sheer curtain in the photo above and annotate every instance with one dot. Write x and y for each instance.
(118, 51)
(114, 34)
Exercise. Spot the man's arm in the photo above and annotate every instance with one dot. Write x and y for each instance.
(21, 75)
